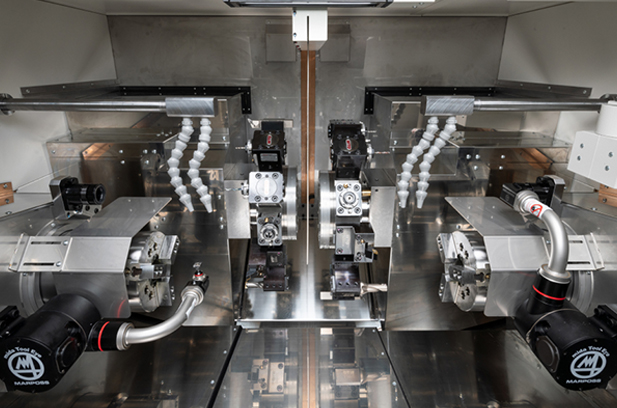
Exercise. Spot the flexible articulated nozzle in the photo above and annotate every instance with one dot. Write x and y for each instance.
(194, 164)
(174, 161)
(413, 157)
(429, 158)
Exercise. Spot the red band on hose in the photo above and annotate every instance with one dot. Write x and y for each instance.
(103, 328)
(547, 296)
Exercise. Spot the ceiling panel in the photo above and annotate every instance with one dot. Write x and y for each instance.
(217, 7)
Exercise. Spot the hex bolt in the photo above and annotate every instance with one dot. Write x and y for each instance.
(258, 175)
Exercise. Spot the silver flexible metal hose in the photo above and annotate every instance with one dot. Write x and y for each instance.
(527, 202)
(132, 335)
(559, 242)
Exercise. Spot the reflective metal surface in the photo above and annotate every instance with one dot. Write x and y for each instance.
(326, 367)
(302, 302)
(125, 217)
(478, 369)
(182, 368)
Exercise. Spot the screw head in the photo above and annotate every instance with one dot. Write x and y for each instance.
(606, 168)
(468, 157)
(212, 382)
(5, 186)
(58, 264)
(475, 167)
(610, 154)
(357, 210)
(122, 162)
(340, 210)
(275, 198)
(477, 157)
(120, 151)
(578, 158)
(7, 201)
(257, 198)
(503, 156)
(275, 175)
(145, 151)
(258, 175)
(582, 145)
(339, 250)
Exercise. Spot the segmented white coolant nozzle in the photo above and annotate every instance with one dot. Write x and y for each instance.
(174, 161)
(413, 157)
(194, 164)
(429, 158)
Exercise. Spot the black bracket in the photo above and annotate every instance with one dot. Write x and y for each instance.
(244, 91)
(371, 91)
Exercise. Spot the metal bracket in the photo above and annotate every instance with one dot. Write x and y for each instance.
(584, 254)
(371, 91)
(70, 254)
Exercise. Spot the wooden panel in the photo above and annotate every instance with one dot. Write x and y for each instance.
(6, 193)
(607, 195)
